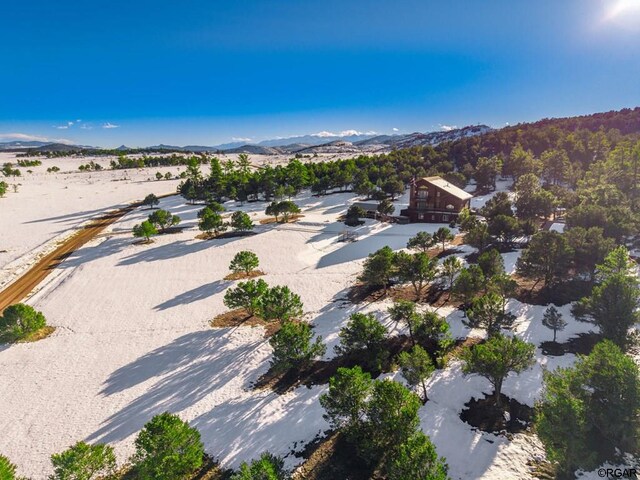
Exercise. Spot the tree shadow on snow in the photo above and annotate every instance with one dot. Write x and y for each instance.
(195, 295)
(185, 371)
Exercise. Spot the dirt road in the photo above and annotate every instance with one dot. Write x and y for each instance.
(23, 285)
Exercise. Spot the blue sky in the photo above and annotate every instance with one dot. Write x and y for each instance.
(205, 72)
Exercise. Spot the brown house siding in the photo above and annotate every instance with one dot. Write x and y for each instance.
(432, 206)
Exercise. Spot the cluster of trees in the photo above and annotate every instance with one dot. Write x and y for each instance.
(29, 163)
(159, 219)
(211, 221)
(385, 266)
(588, 413)
(9, 171)
(166, 448)
(53, 169)
(380, 419)
(156, 161)
(89, 167)
(166, 176)
(269, 303)
(283, 209)
(19, 321)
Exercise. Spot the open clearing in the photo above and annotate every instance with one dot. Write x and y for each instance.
(133, 339)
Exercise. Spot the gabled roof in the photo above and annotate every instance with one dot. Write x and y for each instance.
(451, 189)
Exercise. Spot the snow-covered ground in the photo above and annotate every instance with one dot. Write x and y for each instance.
(132, 340)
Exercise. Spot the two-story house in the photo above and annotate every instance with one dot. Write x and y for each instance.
(435, 200)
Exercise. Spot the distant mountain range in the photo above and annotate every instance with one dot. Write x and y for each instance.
(305, 144)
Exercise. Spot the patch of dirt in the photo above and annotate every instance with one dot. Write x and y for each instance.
(39, 334)
(318, 372)
(244, 275)
(213, 236)
(432, 294)
(537, 294)
(582, 344)
(292, 219)
(242, 318)
(331, 458)
(143, 242)
(510, 417)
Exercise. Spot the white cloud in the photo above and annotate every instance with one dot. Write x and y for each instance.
(395, 129)
(86, 126)
(61, 127)
(32, 138)
(343, 133)
(241, 139)
(448, 128)
(110, 125)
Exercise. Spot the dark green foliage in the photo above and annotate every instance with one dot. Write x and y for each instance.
(504, 228)
(241, 222)
(292, 346)
(419, 269)
(442, 236)
(421, 241)
(19, 320)
(417, 458)
(469, 282)
(345, 402)
(478, 236)
(496, 359)
(7, 469)
(353, 216)
(244, 262)
(163, 219)
(553, 320)
(392, 417)
(487, 171)
(378, 269)
(84, 462)
(487, 312)
(491, 263)
(614, 301)
(282, 209)
(211, 221)
(385, 207)
(547, 258)
(590, 247)
(144, 230)
(280, 303)
(364, 338)
(247, 295)
(150, 201)
(3, 188)
(167, 448)
(449, 269)
(590, 410)
(499, 204)
(416, 366)
(267, 467)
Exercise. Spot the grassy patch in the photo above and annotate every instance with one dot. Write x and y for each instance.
(292, 218)
(39, 334)
(244, 275)
(242, 318)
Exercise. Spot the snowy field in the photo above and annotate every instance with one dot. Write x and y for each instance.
(49, 207)
(132, 337)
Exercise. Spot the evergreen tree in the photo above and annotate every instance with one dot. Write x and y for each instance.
(7, 469)
(241, 222)
(442, 236)
(163, 219)
(292, 346)
(244, 262)
(364, 338)
(416, 366)
(167, 448)
(267, 467)
(496, 358)
(144, 230)
(247, 295)
(417, 458)
(421, 241)
(547, 258)
(491, 263)
(378, 269)
(280, 303)
(211, 221)
(419, 269)
(487, 312)
(469, 282)
(84, 462)
(150, 201)
(20, 320)
(553, 320)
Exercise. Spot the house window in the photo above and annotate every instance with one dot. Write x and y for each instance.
(421, 216)
(438, 193)
(445, 218)
(422, 193)
(433, 217)
(422, 205)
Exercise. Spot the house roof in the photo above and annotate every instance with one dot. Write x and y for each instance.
(451, 189)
